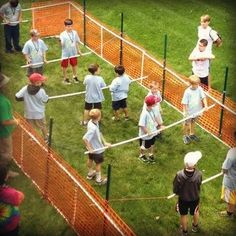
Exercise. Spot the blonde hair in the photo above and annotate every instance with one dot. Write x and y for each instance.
(94, 114)
(205, 18)
(193, 79)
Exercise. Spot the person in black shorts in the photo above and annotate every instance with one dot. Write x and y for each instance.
(186, 185)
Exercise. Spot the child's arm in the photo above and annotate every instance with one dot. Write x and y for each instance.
(10, 122)
(204, 100)
(88, 145)
(144, 129)
(104, 141)
(185, 108)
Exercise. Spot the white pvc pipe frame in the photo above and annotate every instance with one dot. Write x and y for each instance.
(143, 136)
(15, 22)
(83, 92)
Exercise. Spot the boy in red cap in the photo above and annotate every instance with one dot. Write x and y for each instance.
(148, 123)
(34, 97)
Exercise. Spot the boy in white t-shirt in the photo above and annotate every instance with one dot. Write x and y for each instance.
(70, 48)
(206, 32)
(34, 98)
(200, 58)
(192, 102)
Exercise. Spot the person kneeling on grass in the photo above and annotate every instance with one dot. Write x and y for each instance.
(93, 139)
(192, 103)
(35, 97)
(148, 124)
(186, 185)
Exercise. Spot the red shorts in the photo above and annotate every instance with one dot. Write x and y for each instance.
(73, 62)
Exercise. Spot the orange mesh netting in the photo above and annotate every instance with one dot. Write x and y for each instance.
(63, 187)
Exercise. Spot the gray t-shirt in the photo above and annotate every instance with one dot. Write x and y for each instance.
(229, 164)
(35, 50)
(93, 136)
(68, 42)
(12, 14)
(94, 85)
(120, 87)
(34, 105)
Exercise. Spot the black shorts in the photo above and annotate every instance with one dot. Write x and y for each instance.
(147, 143)
(116, 105)
(204, 80)
(90, 106)
(184, 206)
(97, 158)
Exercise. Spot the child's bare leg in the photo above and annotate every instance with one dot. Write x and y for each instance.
(74, 70)
(64, 69)
(184, 222)
(125, 110)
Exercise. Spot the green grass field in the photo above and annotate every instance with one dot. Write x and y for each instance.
(130, 177)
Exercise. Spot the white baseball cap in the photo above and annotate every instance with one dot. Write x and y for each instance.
(191, 158)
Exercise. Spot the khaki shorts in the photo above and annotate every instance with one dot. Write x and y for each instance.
(228, 195)
(38, 123)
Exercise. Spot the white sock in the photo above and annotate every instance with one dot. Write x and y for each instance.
(98, 176)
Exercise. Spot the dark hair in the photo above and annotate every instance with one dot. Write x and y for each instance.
(68, 22)
(3, 172)
(93, 68)
(120, 70)
(204, 42)
(14, 3)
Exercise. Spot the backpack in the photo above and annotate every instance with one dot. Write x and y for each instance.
(218, 42)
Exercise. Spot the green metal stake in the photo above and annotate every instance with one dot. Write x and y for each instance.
(108, 182)
(84, 22)
(223, 101)
(121, 35)
(164, 66)
(50, 132)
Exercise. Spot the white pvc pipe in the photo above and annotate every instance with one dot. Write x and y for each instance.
(15, 22)
(83, 92)
(203, 182)
(145, 135)
(55, 60)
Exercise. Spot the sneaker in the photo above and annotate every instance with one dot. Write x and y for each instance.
(66, 81)
(114, 118)
(186, 139)
(91, 176)
(194, 138)
(151, 159)
(76, 80)
(184, 233)
(12, 174)
(143, 158)
(227, 214)
(126, 118)
(195, 228)
(101, 181)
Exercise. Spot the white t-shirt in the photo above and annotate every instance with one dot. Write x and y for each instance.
(200, 68)
(193, 99)
(209, 34)
(12, 14)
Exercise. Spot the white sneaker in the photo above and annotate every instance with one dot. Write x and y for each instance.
(101, 181)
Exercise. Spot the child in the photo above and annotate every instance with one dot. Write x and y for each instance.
(35, 52)
(200, 58)
(186, 185)
(119, 91)
(192, 103)
(10, 199)
(35, 97)
(70, 48)
(94, 95)
(206, 32)
(93, 139)
(154, 90)
(148, 123)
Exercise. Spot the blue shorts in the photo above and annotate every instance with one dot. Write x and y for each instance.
(116, 105)
(147, 143)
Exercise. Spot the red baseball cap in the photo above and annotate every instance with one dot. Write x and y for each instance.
(152, 100)
(35, 77)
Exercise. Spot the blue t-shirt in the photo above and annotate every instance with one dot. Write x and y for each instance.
(120, 87)
(93, 136)
(94, 85)
(229, 164)
(193, 100)
(147, 119)
(68, 42)
(35, 50)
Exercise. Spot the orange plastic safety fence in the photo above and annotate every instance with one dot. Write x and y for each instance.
(63, 187)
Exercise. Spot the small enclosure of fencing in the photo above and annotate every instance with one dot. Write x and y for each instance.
(58, 182)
